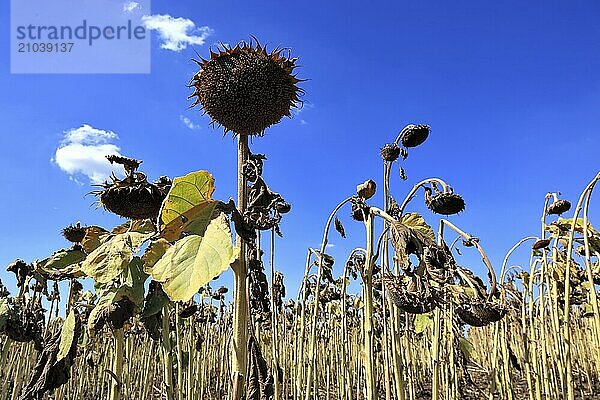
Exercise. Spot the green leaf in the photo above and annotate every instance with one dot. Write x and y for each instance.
(63, 262)
(189, 206)
(134, 279)
(66, 336)
(195, 260)
(84, 339)
(155, 301)
(106, 262)
(422, 322)
(416, 222)
(466, 347)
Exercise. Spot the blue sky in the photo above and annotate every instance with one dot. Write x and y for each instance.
(510, 89)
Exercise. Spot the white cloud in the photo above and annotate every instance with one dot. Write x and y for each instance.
(130, 6)
(327, 246)
(188, 122)
(83, 151)
(176, 33)
(303, 107)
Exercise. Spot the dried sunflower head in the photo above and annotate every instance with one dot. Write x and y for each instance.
(540, 244)
(115, 314)
(559, 207)
(188, 311)
(247, 89)
(410, 297)
(21, 269)
(367, 189)
(390, 152)
(359, 211)
(415, 135)
(74, 233)
(444, 203)
(480, 312)
(133, 197)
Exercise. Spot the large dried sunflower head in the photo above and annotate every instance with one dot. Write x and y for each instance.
(136, 199)
(480, 312)
(133, 197)
(247, 89)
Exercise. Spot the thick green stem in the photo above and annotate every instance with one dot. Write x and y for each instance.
(117, 367)
(166, 347)
(239, 356)
(179, 355)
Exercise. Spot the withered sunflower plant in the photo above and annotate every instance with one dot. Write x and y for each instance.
(246, 89)
(420, 289)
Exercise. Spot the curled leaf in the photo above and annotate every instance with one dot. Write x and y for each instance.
(339, 227)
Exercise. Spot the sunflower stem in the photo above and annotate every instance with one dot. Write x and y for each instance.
(239, 356)
(371, 388)
(166, 347)
(115, 388)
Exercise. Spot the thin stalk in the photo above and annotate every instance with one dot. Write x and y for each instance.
(371, 388)
(313, 334)
(567, 314)
(274, 338)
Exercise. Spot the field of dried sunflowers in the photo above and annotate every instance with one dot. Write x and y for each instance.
(420, 326)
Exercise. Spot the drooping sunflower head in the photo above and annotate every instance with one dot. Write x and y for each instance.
(481, 312)
(132, 197)
(415, 135)
(390, 152)
(246, 89)
(444, 203)
(559, 207)
(74, 233)
(411, 298)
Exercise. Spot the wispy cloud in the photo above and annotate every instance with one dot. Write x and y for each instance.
(327, 246)
(130, 6)
(303, 107)
(83, 151)
(188, 122)
(176, 33)
(300, 110)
